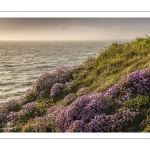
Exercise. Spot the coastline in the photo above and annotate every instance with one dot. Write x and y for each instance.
(107, 93)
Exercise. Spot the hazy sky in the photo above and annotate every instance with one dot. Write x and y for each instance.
(73, 28)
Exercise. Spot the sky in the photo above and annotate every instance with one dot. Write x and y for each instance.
(73, 28)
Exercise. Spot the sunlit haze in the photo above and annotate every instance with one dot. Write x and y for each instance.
(73, 28)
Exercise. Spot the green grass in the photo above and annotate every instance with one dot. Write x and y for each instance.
(114, 63)
(98, 74)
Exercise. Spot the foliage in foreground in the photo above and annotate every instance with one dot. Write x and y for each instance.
(108, 93)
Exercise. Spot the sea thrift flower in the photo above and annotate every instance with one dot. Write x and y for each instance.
(56, 89)
(53, 111)
(29, 107)
(67, 86)
(12, 116)
(135, 83)
(88, 113)
(112, 123)
(27, 110)
(83, 108)
(76, 126)
(68, 99)
(47, 80)
(11, 105)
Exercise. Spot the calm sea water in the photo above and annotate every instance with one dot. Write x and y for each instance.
(21, 63)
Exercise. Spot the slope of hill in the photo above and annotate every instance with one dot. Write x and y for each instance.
(108, 93)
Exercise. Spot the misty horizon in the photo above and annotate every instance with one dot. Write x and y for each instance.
(62, 40)
(72, 29)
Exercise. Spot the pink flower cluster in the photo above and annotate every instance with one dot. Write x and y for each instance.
(56, 89)
(47, 80)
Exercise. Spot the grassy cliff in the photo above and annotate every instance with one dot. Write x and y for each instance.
(107, 93)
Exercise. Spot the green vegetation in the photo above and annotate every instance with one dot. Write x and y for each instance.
(114, 63)
(94, 75)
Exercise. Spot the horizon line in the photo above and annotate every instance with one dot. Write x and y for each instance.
(66, 40)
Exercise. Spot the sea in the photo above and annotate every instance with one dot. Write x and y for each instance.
(22, 62)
